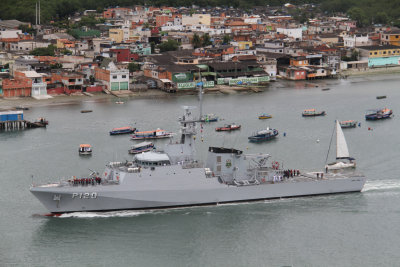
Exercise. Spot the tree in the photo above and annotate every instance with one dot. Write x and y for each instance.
(206, 40)
(44, 51)
(358, 15)
(170, 45)
(56, 66)
(152, 46)
(196, 41)
(133, 67)
(381, 17)
(27, 29)
(226, 40)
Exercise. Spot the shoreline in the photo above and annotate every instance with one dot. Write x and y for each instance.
(28, 102)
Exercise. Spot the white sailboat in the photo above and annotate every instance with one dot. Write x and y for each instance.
(342, 152)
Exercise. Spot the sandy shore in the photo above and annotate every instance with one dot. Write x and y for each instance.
(374, 71)
(10, 103)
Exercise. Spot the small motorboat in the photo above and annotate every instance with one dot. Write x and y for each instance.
(348, 124)
(380, 97)
(264, 116)
(209, 118)
(119, 102)
(86, 111)
(228, 128)
(21, 108)
(312, 113)
(156, 134)
(122, 130)
(378, 114)
(85, 149)
(264, 135)
(141, 147)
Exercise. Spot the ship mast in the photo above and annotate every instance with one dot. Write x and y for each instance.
(200, 84)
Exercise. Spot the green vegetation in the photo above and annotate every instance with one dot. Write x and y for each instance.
(170, 45)
(353, 57)
(227, 39)
(205, 40)
(44, 51)
(133, 67)
(196, 41)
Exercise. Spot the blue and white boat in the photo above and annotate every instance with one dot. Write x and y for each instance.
(155, 134)
(141, 147)
(264, 135)
(122, 130)
(378, 114)
(209, 118)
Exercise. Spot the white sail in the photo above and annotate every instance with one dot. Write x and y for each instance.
(341, 146)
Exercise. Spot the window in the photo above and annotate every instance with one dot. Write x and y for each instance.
(384, 52)
(123, 76)
(115, 77)
(370, 53)
(375, 53)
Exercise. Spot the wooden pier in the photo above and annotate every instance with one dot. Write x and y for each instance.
(19, 125)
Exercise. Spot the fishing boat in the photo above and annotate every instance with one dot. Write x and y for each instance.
(348, 124)
(378, 114)
(264, 116)
(228, 128)
(85, 149)
(209, 118)
(141, 147)
(264, 135)
(312, 113)
(40, 122)
(156, 134)
(343, 159)
(122, 130)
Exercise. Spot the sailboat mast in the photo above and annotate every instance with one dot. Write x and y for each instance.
(330, 143)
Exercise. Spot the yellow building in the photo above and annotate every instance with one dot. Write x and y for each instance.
(245, 45)
(391, 37)
(379, 51)
(117, 35)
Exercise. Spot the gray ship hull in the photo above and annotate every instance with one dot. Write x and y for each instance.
(186, 190)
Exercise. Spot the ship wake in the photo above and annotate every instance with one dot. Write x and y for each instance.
(381, 185)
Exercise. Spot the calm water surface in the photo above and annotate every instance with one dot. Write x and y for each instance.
(358, 229)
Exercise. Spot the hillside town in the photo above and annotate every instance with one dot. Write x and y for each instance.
(123, 50)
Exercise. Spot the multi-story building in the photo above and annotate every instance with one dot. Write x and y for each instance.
(113, 78)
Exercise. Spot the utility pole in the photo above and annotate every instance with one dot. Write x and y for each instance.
(36, 13)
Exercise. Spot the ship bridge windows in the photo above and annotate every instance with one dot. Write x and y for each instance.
(153, 163)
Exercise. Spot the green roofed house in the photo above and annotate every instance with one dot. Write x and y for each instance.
(80, 34)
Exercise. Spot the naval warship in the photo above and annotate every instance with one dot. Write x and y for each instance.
(175, 178)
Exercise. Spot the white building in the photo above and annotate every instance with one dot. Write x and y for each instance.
(28, 45)
(356, 40)
(296, 34)
(39, 87)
